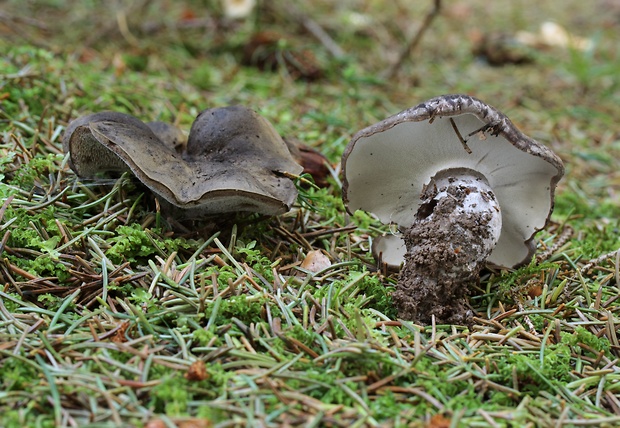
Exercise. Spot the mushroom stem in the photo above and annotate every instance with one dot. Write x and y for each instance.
(457, 226)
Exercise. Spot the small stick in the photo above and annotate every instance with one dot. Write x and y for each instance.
(415, 40)
(123, 28)
(460, 137)
(323, 232)
(598, 260)
(313, 27)
(561, 239)
(5, 205)
(321, 35)
(7, 19)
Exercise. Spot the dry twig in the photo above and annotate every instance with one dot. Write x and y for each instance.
(314, 28)
(414, 41)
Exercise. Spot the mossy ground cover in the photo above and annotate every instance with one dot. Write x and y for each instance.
(111, 316)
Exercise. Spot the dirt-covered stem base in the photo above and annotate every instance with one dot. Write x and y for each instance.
(456, 228)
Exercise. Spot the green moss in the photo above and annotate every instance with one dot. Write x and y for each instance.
(212, 414)
(27, 417)
(133, 243)
(509, 281)
(38, 168)
(581, 335)
(26, 233)
(139, 296)
(255, 258)
(533, 375)
(201, 336)
(388, 406)
(248, 309)
(599, 238)
(136, 62)
(38, 88)
(223, 274)
(23, 235)
(380, 294)
(584, 207)
(307, 337)
(43, 266)
(16, 375)
(363, 219)
(171, 396)
(11, 305)
(368, 291)
(206, 76)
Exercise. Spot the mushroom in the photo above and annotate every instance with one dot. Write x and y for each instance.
(234, 159)
(389, 250)
(465, 187)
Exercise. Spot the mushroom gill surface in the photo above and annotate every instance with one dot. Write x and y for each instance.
(465, 187)
(387, 165)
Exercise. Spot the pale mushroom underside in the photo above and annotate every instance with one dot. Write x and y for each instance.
(388, 164)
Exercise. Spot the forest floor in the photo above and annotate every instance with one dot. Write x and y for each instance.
(113, 315)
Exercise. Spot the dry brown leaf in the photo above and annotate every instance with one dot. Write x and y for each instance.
(119, 335)
(439, 421)
(269, 50)
(316, 261)
(313, 161)
(194, 423)
(155, 423)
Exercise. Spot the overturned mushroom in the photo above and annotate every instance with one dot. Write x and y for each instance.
(466, 188)
(233, 160)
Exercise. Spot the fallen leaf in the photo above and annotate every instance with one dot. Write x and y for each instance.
(155, 423)
(316, 261)
(269, 51)
(499, 48)
(313, 162)
(188, 15)
(535, 291)
(194, 423)
(119, 335)
(551, 34)
(438, 421)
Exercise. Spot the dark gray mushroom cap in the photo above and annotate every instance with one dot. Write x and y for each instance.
(387, 165)
(233, 161)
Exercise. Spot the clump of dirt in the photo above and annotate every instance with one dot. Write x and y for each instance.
(445, 253)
